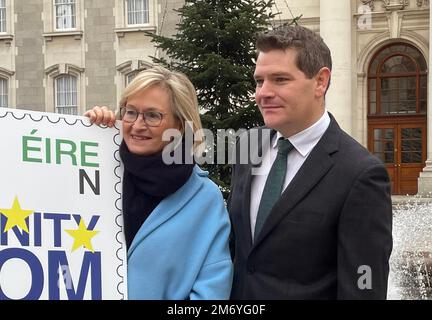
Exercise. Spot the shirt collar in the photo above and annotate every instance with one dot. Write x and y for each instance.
(305, 140)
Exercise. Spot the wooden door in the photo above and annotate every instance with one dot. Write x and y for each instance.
(402, 148)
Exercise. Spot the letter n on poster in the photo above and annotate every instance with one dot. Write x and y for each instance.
(60, 208)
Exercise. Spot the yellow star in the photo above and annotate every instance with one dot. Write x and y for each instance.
(82, 236)
(16, 216)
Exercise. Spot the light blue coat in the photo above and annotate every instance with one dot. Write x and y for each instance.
(181, 250)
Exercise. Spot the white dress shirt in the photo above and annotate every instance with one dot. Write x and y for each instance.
(303, 143)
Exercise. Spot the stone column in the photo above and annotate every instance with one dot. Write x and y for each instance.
(425, 179)
(335, 29)
(29, 59)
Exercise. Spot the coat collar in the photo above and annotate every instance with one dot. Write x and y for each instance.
(165, 209)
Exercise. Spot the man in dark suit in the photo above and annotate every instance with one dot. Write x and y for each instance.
(327, 232)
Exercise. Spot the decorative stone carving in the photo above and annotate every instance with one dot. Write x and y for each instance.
(370, 3)
(392, 5)
(422, 2)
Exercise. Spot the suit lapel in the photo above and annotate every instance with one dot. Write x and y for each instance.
(311, 172)
(257, 148)
(246, 206)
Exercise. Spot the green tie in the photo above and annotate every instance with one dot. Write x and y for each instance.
(274, 184)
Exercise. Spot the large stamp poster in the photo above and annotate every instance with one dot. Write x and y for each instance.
(60, 203)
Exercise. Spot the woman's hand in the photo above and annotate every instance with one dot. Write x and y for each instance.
(101, 115)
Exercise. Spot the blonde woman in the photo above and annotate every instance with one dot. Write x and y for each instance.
(175, 220)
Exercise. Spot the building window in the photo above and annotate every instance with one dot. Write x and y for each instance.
(3, 92)
(128, 70)
(397, 82)
(66, 94)
(65, 14)
(2, 15)
(130, 76)
(137, 12)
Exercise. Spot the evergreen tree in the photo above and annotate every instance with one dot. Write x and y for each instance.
(215, 48)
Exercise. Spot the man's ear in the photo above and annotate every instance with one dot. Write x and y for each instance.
(322, 81)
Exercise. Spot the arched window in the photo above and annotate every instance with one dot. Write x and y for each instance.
(66, 100)
(64, 90)
(129, 69)
(397, 82)
(4, 89)
(130, 76)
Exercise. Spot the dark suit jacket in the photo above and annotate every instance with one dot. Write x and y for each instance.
(332, 223)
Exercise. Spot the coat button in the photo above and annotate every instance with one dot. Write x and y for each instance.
(251, 269)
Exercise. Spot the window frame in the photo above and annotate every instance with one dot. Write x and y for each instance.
(56, 70)
(3, 17)
(130, 76)
(127, 68)
(383, 55)
(126, 14)
(74, 94)
(4, 91)
(74, 18)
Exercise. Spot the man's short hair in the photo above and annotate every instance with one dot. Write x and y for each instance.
(312, 53)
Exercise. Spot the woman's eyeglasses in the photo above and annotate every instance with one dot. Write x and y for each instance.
(151, 118)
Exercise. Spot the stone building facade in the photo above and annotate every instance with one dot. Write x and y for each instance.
(68, 55)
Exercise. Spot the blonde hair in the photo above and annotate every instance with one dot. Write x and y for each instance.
(184, 102)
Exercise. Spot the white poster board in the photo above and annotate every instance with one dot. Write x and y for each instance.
(60, 202)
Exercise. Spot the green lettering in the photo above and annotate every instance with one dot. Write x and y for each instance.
(26, 148)
(85, 153)
(48, 150)
(70, 152)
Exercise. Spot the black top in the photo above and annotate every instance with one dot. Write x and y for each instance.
(147, 180)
